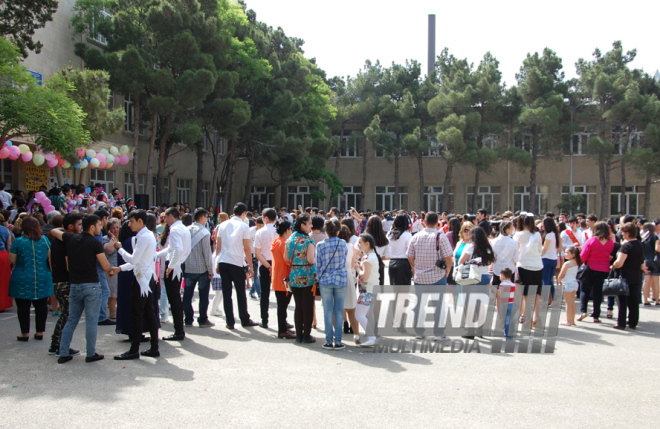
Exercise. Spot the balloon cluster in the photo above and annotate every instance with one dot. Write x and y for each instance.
(103, 159)
(44, 201)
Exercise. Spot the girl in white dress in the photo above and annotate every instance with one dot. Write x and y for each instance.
(567, 276)
(369, 277)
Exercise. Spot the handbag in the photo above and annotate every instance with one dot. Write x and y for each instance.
(583, 274)
(615, 286)
(466, 274)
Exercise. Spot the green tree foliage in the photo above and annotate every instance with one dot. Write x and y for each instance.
(43, 112)
(20, 18)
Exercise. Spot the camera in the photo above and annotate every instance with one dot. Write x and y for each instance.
(440, 263)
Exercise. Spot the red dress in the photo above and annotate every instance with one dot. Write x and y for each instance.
(5, 273)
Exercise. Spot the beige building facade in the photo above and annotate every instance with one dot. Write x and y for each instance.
(502, 188)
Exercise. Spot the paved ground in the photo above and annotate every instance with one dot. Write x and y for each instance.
(597, 377)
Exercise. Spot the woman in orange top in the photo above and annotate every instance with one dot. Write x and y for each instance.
(278, 273)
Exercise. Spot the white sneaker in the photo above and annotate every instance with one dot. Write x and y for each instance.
(419, 337)
(217, 313)
(166, 320)
(369, 343)
(356, 339)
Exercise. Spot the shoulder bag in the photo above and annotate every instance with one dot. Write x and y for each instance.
(615, 286)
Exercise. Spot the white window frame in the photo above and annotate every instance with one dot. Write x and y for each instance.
(129, 187)
(105, 177)
(346, 151)
(521, 198)
(206, 193)
(300, 195)
(218, 140)
(154, 184)
(490, 198)
(183, 190)
(94, 35)
(385, 198)
(591, 196)
(262, 195)
(434, 195)
(634, 198)
(352, 197)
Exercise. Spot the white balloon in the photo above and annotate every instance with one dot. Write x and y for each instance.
(84, 163)
(124, 150)
(114, 151)
(91, 153)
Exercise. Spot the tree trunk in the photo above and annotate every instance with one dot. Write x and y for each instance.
(647, 196)
(136, 142)
(445, 188)
(623, 201)
(162, 159)
(364, 178)
(216, 166)
(283, 197)
(60, 176)
(200, 176)
(250, 173)
(477, 177)
(395, 203)
(603, 183)
(148, 182)
(230, 174)
(532, 184)
(83, 175)
(168, 194)
(422, 201)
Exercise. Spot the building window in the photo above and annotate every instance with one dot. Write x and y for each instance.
(156, 195)
(348, 149)
(301, 196)
(524, 142)
(5, 174)
(219, 144)
(435, 149)
(262, 197)
(433, 195)
(183, 187)
(111, 101)
(491, 141)
(352, 197)
(93, 34)
(622, 138)
(129, 187)
(488, 198)
(129, 108)
(206, 193)
(385, 198)
(521, 199)
(632, 204)
(589, 194)
(105, 177)
(580, 141)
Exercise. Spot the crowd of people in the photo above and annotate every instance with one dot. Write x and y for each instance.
(135, 269)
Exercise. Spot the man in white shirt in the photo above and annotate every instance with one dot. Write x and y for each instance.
(199, 269)
(233, 246)
(262, 242)
(5, 197)
(591, 222)
(177, 250)
(142, 262)
(283, 213)
(572, 236)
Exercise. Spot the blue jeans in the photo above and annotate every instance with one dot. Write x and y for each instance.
(256, 283)
(191, 281)
(508, 320)
(333, 305)
(105, 294)
(549, 266)
(82, 296)
(441, 282)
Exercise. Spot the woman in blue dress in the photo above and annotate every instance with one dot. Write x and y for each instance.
(31, 281)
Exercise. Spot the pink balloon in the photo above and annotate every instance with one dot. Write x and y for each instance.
(40, 195)
(61, 162)
(52, 163)
(14, 153)
(49, 156)
(124, 159)
(4, 153)
(101, 157)
(26, 157)
(80, 153)
(101, 163)
(48, 209)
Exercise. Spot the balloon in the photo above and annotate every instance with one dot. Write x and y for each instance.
(84, 163)
(66, 164)
(23, 148)
(88, 159)
(94, 162)
(124, 149)
(40, 195)
(49, 156)
(61, 162)
(52, 163)
(38, 159)
(26, 157)
(101, 157)
(104, 151)
(114, 150)
(80, 153)
(110, 159)
(14, 153)
(91, 153)
(76, 165)
(124, 159)
(48, 209)
(101, 163)
(9, 143)
(4, 152)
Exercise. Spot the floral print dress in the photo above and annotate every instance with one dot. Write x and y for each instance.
(303, 274)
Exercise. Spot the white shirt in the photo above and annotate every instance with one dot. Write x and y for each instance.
(551, 253)
(264, 239)
(506, 253)
(253, 235)
(178, 247)
(529, 250)
(5, 197)
(143, 259)
(232, 233)
(398, 249)
(387, 225)
(566, 241)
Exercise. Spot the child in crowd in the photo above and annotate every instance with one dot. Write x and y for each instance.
(567, 276)
(505, 281)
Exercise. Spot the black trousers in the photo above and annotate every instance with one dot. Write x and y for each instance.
(173, 289)
(629, 306)
(400, 272)
(233, 274)
(304, 313)
(264, 278)
(593, 286)
(283, 300)
(141, 307)
(40, 313)
(62, 294)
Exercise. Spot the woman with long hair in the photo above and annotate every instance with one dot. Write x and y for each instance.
(350, 224)
(530, 264)
(549, 254)
(454, 232)
(375, 229)
(31, 282)
(596, 255)
(651, 250)
(506, 251)
(368, 272)
(278, 273)
(479, 252)
(399, 237)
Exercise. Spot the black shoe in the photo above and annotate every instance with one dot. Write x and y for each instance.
(263, 325)
(346, 327)
(249, 323)
(53, 350)
(128, 356)
(309, 340)
(340, 346)
(350, 330)
(327, 346)
(107, 322)
(289, 326)
(39, 337)
(64, 359)
(469, 337)
(175, 337)
(94, 358)
(23, 339)
(232, 327)
(299, 340)
(151, 353)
